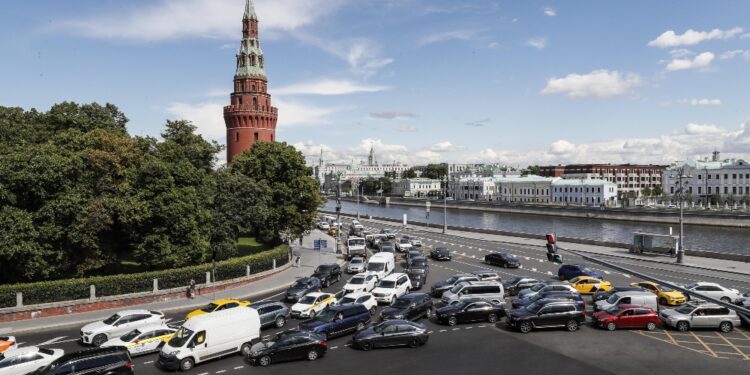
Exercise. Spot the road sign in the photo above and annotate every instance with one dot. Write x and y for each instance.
(323, 244)
(320, 244)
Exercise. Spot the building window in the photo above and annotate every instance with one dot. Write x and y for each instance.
(726, 176)
(256, 136)
(700, 177)
(708, 190)
(734, 176)
(699, 189)
(237, 136)
(726, 190)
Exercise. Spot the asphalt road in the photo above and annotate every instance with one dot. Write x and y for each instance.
(482, 347)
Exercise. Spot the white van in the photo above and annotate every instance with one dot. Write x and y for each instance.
(630, 297)
(211, 336)
(381, 265)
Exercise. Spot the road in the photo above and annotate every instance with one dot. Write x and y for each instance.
(483, 347)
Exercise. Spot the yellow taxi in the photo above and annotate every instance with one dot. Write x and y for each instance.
(589, 284)
(666, 295)
(218, 305)
(7, 343)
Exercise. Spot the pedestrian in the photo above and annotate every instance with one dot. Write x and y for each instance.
(191, 289)
(300, 241)
(298, 261)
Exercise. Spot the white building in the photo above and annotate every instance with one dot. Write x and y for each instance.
(529, 188)
(330, 173)
(590, 192)
(415, 187)
(715, 181)
(472, 188)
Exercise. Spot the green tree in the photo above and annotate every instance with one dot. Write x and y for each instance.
(646, 191)
(435, 171)
(409, 173)
(657, 191)
(386, 185)
(532, 170)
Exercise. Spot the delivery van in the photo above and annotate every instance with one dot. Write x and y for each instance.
(381, 265)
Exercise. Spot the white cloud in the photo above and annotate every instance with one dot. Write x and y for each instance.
(561, 146)
(479, 123)
(701, 102)
(391, 115)
(207, 117)
(538, 43)
(493, 45)
(407, 129)
(702, 129)
(549, 12)
(292, 113)
(445, 146)
(446, 36)
(735, 53)
(701, 61)
(327, 87)
(174, 19)
(691, 37)
(680, 52)
(363, 55)
(599, 83)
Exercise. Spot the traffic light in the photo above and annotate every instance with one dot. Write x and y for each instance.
(552, 254)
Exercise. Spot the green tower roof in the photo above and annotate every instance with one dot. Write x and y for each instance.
(250, 10)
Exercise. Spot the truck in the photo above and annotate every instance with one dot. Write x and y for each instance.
(355, 246)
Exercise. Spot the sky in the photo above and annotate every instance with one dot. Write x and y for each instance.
(420, 81)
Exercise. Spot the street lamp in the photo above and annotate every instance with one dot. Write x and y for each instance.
(338, 213)
(445, 206)
(681, 190)
(358, 183)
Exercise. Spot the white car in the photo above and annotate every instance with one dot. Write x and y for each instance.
(324, 226)
(8, 343)
(27, 359)
(391, 287)
(143, 340)
(416, 242)
(356, 265)
(312, 304)
(403, 245)
(363, 298)
(98, 333)
(361, 283)
(714, 290)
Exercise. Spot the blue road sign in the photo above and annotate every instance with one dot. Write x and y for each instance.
(324, 244)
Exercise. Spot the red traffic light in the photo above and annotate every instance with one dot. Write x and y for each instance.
(551, 238)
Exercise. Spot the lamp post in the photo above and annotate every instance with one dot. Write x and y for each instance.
(338, 213)
(681, 190)
(358, 183)
(445, 206)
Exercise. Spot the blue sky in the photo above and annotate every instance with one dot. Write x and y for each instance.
(515, 82)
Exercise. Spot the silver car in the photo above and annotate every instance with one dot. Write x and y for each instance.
(356, 265)
(700, 315)
(548, 286)
(272, 313)
(487, 290)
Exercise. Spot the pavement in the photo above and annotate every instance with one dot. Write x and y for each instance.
(310, 259)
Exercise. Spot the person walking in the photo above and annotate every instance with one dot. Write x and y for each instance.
(191, 289)
(298, 261)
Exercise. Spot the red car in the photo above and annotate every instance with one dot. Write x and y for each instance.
(627, 316)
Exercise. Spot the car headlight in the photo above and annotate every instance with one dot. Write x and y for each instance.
(173, 353)
(88, 333)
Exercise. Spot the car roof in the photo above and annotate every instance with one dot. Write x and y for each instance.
(347, 306)
(440, 248)
(132, 312)
(81, 354)
(357, 294)
(553, 301)
(355, 238)
(629, 306)
(554, 282)
(706, 283)
(20, 351)
(267, 303)
(414, 296)
(481, 283)
(394, 276)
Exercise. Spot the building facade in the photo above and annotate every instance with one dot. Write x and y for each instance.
(715, 181)
(415, 187)
(472, 188)
(250, 117)
(630, 179)
(525, 189)
(588, 192)
(329, 174)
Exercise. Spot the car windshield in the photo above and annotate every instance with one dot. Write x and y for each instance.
(300, 284)
(685, 309)
(348, 300)
(419, 263)
(441, 249)
(614, 310)
(380, 327)
(613, 298)
(357, 242)
(452, 280)
(665, 289)
(404, 240)
(537, 297)
(376, 267)
(508, 256)
(538, 287)
(513, 281)
(415, 271)
(401, 303)
(456, 288)
(587, 270)
(180, 337)
(210, 307)
(534, 307)
(112, 319)
(574, 280)
(327, 316)
(357, 280)
(691, 286)
(356, 261)
(386, 284)
(128, 337)
(322, 269)
(307, 300)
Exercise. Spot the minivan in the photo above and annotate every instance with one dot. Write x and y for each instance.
(632, 297)
(338, 320)
(488, 290)
(381, 265)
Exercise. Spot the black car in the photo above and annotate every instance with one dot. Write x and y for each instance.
(392, 333)
(516, 284)
(553, 294)
(411, 254)
(301, 287)
(469, 310)
(327, 274)
(288, 347)
(99, 361)
(547, 314)
(441, 286)
(388, 233)
(602, 295)
(411, 306)
(386, 246)
(440, 253)
(418, 262)
(502, 259)
(418, 278)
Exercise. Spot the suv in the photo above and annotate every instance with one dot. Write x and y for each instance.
(27, 359)
(99, 361)
(504, 260)
(469, 310)
(98, 333)
(569, 271)
(328, 274)
(272, 313)
(487, 290)
(420, 263)
(391, 287)
(338, 320)
(440, 253)
(546, 287)
(417, 277)
(555, 294)
(441, 286)
(386, 246)
(487, 275)
(514, 285)
(388, 233)
(547, 314)
(302, 287)
(700, 315)
(403, 245)
(409, 307)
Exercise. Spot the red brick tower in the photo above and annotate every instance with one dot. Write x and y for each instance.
(250, 118)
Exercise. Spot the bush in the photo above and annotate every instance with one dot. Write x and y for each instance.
(73, 289)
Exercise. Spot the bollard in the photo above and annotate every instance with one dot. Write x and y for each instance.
(247, 270)
(92, 292)
(156, 285)
(208, 277)
(19, 299)
(274, 264)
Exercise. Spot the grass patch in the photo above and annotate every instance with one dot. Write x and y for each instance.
(249, 246)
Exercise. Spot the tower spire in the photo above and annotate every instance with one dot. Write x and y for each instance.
(250, 11)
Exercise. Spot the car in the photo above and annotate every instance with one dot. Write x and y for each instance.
(487, 290)
(417, 277)
(554, 294)
(469, 310)
(416, 242)
(516, 284)
(744, 300)
(327, 274)
(20, 361)
(411, 306)
(144, 340)
(411, 254)
(338, 320)
(626, 316)
(699, 314)
(419, 263)
(312, 304)
(439, 287)
(440, 253)
(376, 239)
(391, 333)
(360, 283)
(714, 290)
(388, 233)
(504, 260)
(98, 333)
(272, 313)
(391, 287)
(546, 314)
(356, 265)
(363, 298)
(487, 275)
(589, 285)
(217, 305)
(7, 343)
(665, 294)
(324, 226)
(602, 294)
(632, 297)
(545, 287)
(386, 246)
(569, 271)
(97, 361)
(403, 245)
(292, 346)
(302, 287)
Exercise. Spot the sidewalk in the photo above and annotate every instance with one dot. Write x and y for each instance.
(277, 283)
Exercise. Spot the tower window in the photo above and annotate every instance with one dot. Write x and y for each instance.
(237, 136)
(255, 103)
(240, 98)
(253, 88)
(256, 136)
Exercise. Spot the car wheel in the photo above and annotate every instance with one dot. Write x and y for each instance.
(452, 321)
(99, 339)
(312, 314)
(187, 364)
(663, 301)
(651, 326)
(312, 355)
(413, 343)
(572, 325)
(245, 349)
(725, 300)
(360, 326)
(525, 327)
(280, 322)
(611, 326)
(492, 318)
(264, 361)
(366, 345)
(725, 327)
(683, 326)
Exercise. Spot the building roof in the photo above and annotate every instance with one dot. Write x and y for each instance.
(528, 178)
(706, 164)
(581, 182)
(250, 10)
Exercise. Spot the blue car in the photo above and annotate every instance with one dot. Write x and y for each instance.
(338, 320)
(569, 271)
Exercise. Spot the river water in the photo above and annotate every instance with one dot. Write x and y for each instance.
(719, 239)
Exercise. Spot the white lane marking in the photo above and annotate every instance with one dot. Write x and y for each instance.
(626, 275)
(347, 344)
(52, 341)
(334, 347)
(482, 326)
(527, 258)
(148, 362)
(443, 330)
(549, 273)
(469, 327)
(430, 332)
(203, 373)
(607, 272)
(533, 269)
(456, 329)
(273, 296)
(221, 371)
(239, 367)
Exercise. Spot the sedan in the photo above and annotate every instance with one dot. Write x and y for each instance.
(440, 253)
(143, 340)
(27, 359)
(356, 265)
(470, 310)
(289, 347)
(626, 316)
(98, 333)
(502, 259)
(589, 285)
(362, 298)
(392, 333)
(714, 290)
(302, 287)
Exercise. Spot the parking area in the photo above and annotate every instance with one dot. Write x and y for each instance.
(732, 345)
